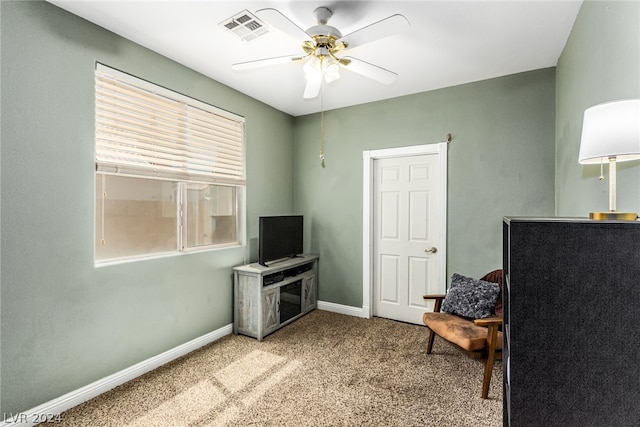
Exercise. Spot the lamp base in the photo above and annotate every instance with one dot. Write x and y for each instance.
(613, 216)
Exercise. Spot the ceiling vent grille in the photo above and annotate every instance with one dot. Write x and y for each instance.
(245, 25)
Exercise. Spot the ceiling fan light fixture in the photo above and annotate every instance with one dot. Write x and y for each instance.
(323, 67)
(330, 69)
(312, 69)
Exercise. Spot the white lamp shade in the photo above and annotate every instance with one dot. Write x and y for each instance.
(611, 129)
(331, 69)
(312, 69)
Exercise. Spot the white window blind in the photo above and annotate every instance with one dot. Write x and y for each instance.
(146, 130)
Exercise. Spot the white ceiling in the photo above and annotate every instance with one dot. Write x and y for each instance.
(448, 43)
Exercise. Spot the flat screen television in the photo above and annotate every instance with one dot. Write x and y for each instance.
(279, 237)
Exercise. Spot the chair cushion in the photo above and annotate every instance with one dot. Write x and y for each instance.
(459, 331)
(471, 298)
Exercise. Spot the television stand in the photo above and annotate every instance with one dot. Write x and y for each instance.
(266, 298)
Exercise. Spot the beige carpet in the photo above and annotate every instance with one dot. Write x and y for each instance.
(324, 369)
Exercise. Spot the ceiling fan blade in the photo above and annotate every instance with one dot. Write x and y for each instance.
(312, 89)
(277, 20)
(259, 63)
(374, 72)
(376, 31)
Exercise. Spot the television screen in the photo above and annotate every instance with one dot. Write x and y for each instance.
(279, 237)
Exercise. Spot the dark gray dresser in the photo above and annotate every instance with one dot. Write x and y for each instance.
(571, 322)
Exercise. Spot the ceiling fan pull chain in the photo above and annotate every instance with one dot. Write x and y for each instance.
(322, 124)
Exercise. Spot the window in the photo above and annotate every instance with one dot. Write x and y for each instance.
(211, 218)
(170, 171)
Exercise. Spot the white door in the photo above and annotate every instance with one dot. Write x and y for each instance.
(408, 235)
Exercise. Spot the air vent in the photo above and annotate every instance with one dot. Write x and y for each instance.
(245, 25)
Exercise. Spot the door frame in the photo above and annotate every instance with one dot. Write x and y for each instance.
(368, 157)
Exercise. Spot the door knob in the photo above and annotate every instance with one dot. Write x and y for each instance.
(433, 250)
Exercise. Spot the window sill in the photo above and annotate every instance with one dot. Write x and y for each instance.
(189, 251)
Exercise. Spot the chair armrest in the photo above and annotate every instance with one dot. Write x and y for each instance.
(438, 301)
(488, 321)
(435, 296)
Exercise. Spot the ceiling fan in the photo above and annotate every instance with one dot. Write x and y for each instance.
(322, 45)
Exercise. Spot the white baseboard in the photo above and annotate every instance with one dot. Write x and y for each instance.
(342, 309)
(48, 411)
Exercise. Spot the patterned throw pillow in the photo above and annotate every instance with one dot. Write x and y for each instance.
(471, 298)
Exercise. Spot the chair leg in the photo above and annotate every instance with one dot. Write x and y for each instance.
(492, 335)
(436, 309)
(432, 335)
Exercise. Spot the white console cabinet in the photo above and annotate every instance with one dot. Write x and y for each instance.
(267, 298)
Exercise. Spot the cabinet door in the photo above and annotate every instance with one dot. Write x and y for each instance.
(270, 312)
(309, 293)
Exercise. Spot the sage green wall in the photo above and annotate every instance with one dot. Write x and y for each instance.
(600, 62)
(66, 323)
(500, 162)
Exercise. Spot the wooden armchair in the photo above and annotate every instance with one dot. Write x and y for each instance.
(480, 338)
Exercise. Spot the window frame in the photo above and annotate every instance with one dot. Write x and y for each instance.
(182, 182)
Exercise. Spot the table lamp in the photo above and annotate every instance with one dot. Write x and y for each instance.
(611, 133)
